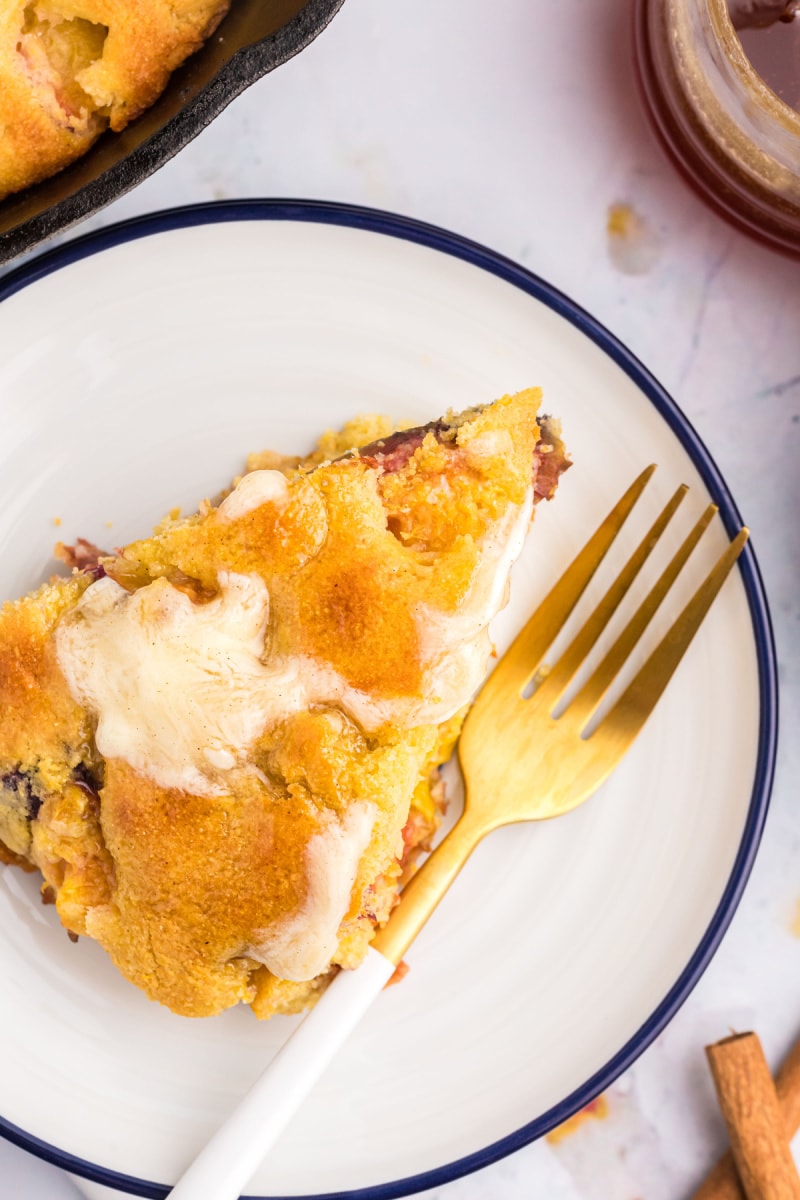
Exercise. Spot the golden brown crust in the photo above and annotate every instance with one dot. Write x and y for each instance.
(350, 556)
(179, 888)
(45, 734)
(70, 69)
(10, 859)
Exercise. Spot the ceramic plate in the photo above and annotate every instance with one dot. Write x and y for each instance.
(138, 368)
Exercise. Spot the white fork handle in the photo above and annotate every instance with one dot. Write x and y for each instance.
(229, 1160)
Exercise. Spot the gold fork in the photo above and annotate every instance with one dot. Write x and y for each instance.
(508, 740)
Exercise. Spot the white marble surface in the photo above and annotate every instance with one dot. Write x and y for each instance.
(517, 124)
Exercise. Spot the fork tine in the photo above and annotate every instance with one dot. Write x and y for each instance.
(586, 701)
(558, 680)
(634, 706)
(525, 653)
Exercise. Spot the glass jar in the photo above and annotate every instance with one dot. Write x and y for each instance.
(729, 134)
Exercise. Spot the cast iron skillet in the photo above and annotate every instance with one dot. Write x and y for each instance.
(255, 37)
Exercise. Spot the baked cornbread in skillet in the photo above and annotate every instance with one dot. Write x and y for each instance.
(70, 69)
(219, 745)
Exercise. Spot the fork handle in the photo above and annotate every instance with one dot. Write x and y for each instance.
(228, 1161)
(427, 886)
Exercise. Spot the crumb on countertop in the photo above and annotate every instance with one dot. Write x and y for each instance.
(596, 1110)
(634, 246)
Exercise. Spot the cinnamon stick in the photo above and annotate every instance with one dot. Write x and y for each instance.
(722, 1183)
(752, 1112)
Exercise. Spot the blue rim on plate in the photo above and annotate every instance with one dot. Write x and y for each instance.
(487, 260)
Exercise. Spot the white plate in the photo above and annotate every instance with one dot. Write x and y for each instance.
(137, 369)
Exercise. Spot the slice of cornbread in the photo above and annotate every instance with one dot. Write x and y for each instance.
(220, 744)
